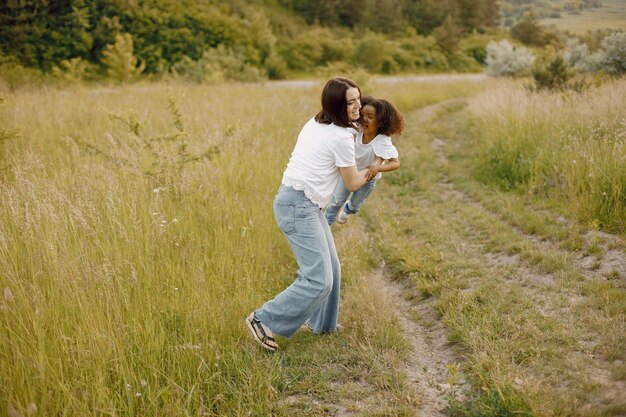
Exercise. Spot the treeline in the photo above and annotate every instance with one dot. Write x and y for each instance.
(212, 40)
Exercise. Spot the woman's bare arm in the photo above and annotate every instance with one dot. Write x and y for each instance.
(352, 178)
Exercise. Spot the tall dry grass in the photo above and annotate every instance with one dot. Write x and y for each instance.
(567, 146)
(126, 266)
(136, 232)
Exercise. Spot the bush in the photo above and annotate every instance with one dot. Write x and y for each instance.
(611, 57)
(475, 46)
(74, 70)
(14, 75)
(374, 53)
(505, 60)
(120, 61)
(614, 60)
(216, 66)
(553, 76)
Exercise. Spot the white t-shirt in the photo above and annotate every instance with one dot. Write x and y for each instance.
(366, 153)
(314, 164)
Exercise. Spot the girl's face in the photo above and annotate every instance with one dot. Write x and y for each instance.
(369, 122)
(353, 98)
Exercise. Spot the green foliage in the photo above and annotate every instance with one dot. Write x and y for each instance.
(73, 70)
(120, 61)
(529, 31)
(553, 76)
(14, 75)
(374, 53)
(449, 34)
(216, 66)
(475, 46)
(274, 38)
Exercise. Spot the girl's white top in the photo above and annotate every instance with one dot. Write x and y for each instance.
(366, 153)
(314, 164)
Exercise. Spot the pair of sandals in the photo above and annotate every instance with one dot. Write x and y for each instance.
(261, 334)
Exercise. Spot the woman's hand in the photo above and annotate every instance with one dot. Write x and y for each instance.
(372, 171)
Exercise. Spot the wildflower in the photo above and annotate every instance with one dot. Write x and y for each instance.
(138, 394)
(143, 382)
(174, 220)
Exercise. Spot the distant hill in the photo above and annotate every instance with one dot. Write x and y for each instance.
(511, 11)
(611, 15)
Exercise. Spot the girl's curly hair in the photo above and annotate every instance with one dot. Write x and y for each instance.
(390, 120)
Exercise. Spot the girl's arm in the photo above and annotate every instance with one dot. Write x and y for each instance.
(391, 165)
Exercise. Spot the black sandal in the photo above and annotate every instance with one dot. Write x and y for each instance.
(259, 334)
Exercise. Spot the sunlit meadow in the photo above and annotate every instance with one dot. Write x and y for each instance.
(570, 147)
(136, 232)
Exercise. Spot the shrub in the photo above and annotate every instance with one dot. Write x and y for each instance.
(611, 57)
(374, 53)
(217, 65)
(120, 61)
(73, 70)
(614, 59)
(505, 60)
(475, 46)
(14, 75)
(553, 76)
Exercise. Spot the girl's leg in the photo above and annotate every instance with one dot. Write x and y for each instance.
(339, 198)
(304, 225)
(359, 197)
(324, 320)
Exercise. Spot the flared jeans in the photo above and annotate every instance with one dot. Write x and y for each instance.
(314, 295)
(354, 200)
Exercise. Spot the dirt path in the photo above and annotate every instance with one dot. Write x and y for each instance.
(427, 368)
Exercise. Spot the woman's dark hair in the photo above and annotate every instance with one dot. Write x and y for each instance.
(390, 120)
(334, 103)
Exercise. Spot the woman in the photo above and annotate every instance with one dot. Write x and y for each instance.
(323, 154)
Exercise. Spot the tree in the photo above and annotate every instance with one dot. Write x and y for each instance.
(529, 31)
(449, 34)
(120, 62)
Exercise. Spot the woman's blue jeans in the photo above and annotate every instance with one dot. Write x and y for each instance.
(341, 195)
(314, 295)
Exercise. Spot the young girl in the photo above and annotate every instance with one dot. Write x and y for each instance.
(379, 120)
(323, 154)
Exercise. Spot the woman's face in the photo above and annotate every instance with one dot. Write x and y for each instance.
(369, 122)
(353, 98)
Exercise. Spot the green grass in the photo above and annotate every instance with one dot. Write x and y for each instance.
(500, 267)
(567, 147)
(136, 233)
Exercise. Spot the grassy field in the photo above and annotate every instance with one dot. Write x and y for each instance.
(136, 233)
(612, 15)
